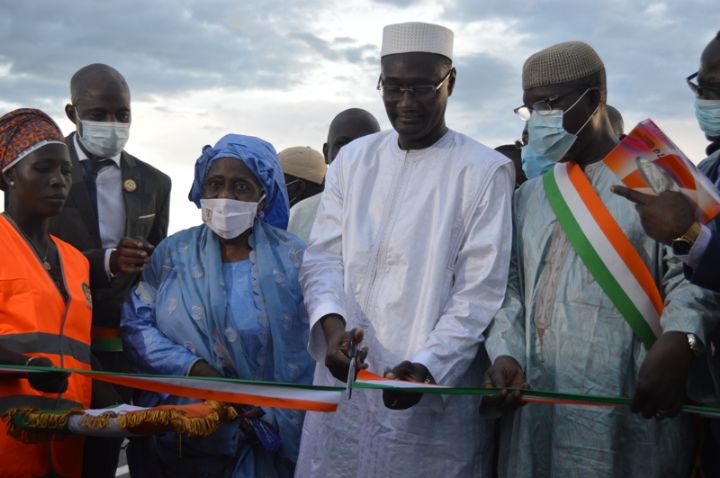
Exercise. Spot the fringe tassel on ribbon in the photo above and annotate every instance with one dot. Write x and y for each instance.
(36, 426)
(39, 426)
(178, 420)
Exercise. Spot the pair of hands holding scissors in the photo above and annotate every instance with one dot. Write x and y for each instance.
(344, 358)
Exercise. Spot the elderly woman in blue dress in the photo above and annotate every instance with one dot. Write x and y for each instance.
(222, 299)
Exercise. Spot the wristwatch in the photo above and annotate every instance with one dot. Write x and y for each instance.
(696, 346)
(681, 245)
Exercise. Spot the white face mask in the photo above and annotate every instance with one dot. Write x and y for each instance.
(103, 139)
(228, 218)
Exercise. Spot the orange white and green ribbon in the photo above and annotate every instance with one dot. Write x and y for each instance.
(257, 393)
(319, 398)
(369, 380)
(605, 249)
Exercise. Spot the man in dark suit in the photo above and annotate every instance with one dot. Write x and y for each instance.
(117, 211)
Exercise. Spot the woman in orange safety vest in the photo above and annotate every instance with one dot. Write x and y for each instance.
(45, 305)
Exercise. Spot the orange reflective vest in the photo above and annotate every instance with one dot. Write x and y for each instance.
(35, 320)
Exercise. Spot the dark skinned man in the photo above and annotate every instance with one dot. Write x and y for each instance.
(670, 217)
(117, 211)
(408, 258)
(304, 170)
(563, 327)
(347, 126)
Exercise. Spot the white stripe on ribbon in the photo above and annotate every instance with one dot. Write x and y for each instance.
(386, 383)
(266, 391)
(605, 249)
(279, 391)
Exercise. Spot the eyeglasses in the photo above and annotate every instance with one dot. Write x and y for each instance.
(419, 92)
(525, 111)
(697, 88)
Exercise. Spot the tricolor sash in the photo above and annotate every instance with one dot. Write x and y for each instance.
(605, 250)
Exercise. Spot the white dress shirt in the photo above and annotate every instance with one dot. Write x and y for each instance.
(110, 203)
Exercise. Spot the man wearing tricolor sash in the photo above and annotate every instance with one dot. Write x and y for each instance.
(594, 306)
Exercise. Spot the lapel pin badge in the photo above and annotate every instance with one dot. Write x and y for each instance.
(129, 185)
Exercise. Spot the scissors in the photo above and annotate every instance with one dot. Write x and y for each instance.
(352, 369)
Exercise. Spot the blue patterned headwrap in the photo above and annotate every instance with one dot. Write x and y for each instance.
(260, 157)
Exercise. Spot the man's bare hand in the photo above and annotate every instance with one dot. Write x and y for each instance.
(130, 256)
(337, 356)
(664, 217)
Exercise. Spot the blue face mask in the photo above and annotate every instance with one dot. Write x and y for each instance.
(707, 113)
(548, 141)
(533, 164)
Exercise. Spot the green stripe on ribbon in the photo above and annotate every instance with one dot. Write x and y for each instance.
(594, 264)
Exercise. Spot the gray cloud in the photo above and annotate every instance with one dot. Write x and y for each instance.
(172, 47)
(396, 3)
(648, 47)
(340, 49)
(161, 47)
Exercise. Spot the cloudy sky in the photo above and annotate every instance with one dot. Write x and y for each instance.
(281, 70)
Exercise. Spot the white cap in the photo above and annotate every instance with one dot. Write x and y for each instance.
(303, 162)
(417, 37)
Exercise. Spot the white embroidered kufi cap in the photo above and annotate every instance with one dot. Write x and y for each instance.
(417, 37)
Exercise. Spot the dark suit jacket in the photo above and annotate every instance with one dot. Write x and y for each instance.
(147, 210)
(707, 273)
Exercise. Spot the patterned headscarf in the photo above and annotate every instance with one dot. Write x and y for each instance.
(260, 158)
(23, 131)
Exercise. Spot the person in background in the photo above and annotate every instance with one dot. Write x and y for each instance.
(45, 303)
(347, 126)
(223, 300)
(514, 153)
(564, 326)
(410, 248)
(616, 121)
(304, 170)
(116, 212)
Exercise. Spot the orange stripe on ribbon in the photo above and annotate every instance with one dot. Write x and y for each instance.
(223, 396)
(559, 401)
(367, 375)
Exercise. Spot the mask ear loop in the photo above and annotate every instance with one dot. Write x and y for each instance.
(589, 117)
(577, 100)
(587, 120)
